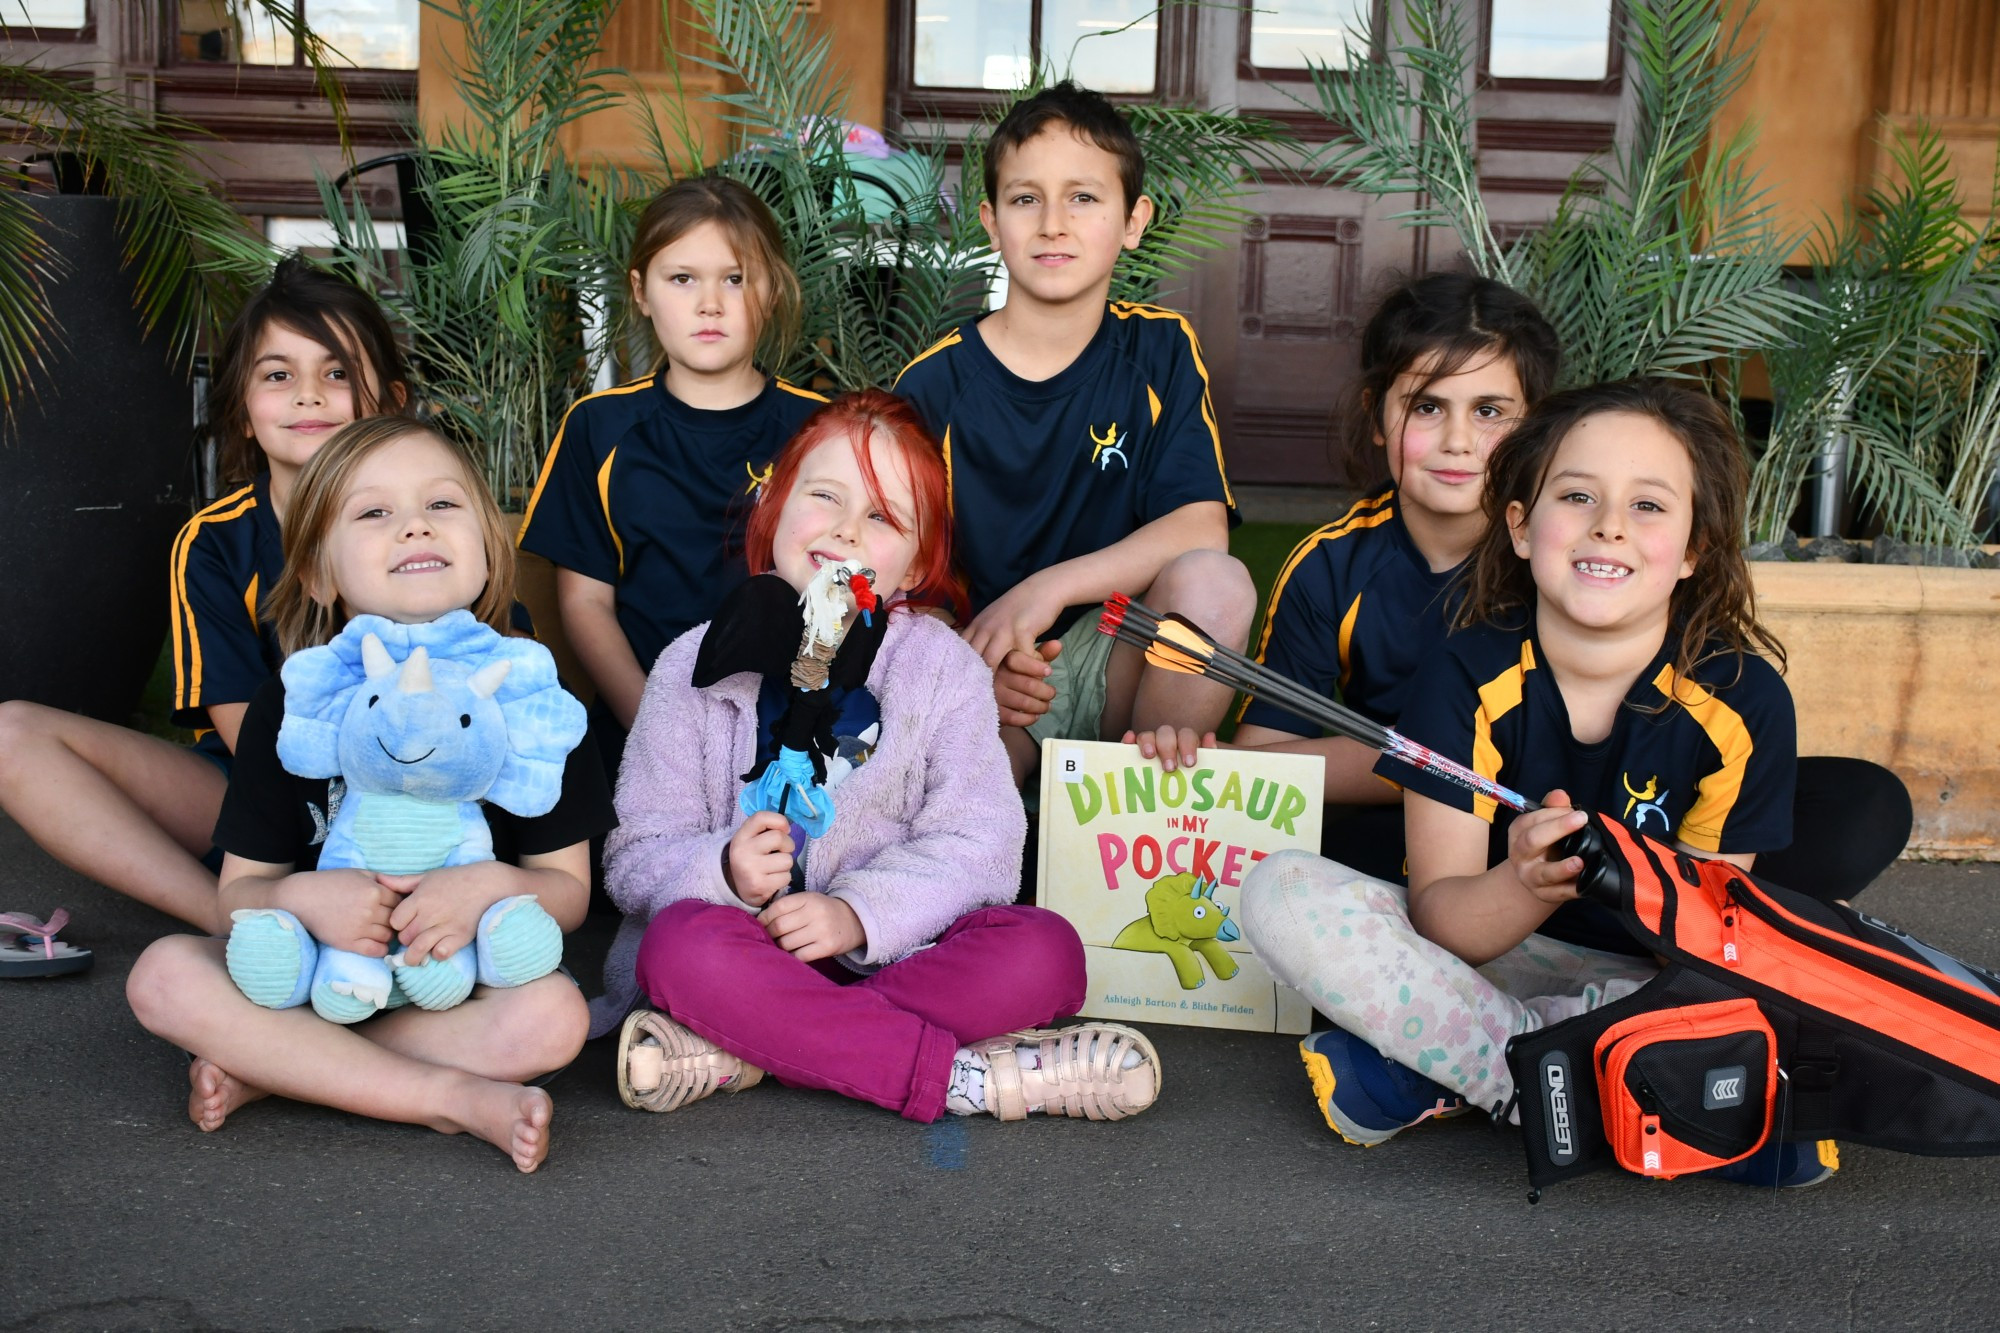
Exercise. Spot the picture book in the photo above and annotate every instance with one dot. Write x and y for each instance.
(1148, 865)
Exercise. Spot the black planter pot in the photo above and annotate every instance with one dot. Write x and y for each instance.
(93, 485)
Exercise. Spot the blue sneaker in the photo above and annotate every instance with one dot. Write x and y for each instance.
(1366, 1097)
(1785, 1166)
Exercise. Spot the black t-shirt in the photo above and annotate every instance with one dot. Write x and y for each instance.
(1715, 767)
(1043, 471)
(1355, 612)
(272, 816)
(650, 495)
(224, 562)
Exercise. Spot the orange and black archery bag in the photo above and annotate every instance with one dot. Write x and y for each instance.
(1776, 1016)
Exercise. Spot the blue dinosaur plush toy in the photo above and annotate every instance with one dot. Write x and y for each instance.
(419, 723)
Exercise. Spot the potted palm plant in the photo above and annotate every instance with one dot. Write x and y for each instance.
(1890, 399)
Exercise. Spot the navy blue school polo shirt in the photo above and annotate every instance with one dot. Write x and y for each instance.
(1710, 760)
(1043, 471)
(223, 563)
(1355, 611)
(650, 495)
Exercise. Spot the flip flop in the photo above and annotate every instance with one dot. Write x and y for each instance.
(29, 948)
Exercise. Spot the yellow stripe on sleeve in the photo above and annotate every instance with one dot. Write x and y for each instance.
(1355, 519)
(1153, 402)
(555, 447)
(796, 391)
(250, 598)
(1127, 309)
(1346, 639)
(1715, 795)
(187, 636)
(1361, 514)
(950, 494)
(604, 499)
(1497, 698)
(949, 340)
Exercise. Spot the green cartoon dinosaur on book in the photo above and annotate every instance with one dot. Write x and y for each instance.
(1184, 922)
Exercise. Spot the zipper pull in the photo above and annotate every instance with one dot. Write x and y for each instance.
(1730, 907)
(1649, 1129)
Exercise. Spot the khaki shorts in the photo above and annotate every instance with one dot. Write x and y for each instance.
(1078, 676)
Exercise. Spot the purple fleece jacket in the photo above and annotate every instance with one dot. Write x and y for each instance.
(928, 829)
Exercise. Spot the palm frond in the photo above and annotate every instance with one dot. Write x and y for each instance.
(1199, 163)
(527, 247)
(1663, 256)
(28, 263)
(175, 231)
(1411, 120)
(319, 55)
(1901, 364)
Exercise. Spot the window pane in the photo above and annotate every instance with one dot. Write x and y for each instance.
(1121, 62)
(1550, 39)
(1291, 34)
(374, 34)
(972, 43)
(42, 13)
(211, 33)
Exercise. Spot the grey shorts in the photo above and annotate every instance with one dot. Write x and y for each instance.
(1077, 711)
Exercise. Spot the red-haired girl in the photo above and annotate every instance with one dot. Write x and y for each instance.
(886, 961)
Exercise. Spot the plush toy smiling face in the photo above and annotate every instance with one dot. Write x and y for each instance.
(429, 731)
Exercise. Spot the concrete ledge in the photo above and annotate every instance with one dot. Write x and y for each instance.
(1900, 665)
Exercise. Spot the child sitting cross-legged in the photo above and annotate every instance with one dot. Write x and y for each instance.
(1608, 657)
(849, 923)
(390, 521)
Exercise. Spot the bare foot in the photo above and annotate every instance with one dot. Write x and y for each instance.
(213, 1092)
(513, 1119)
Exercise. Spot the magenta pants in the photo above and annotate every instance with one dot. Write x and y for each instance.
(885, 1038)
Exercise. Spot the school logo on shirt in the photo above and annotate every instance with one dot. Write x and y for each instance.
(1648, 800)
(758, 480)
(1110, 445)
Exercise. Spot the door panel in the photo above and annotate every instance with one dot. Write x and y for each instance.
(1281, 312)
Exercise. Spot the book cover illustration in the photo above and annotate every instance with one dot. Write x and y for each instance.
(1147, 865)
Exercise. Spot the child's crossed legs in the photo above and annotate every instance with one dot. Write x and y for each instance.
(457, 1070)
(1345, 942)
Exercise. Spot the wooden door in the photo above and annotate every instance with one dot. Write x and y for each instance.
(1281, 310)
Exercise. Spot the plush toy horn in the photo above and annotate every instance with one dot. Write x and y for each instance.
(487, 679)
(375, 660)
(416, 677)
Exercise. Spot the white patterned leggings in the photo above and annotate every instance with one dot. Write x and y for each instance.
(1345, 942)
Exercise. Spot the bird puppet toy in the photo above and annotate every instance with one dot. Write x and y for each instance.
(805, 640)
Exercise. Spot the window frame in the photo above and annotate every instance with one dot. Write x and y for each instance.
(1246, 69)
(210, 95)
(1614, 61)
(366, 83)
(24, 34)
(908, 101)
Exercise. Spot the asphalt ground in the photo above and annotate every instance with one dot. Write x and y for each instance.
(1227, 1205)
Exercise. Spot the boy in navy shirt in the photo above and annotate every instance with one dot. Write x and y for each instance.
(1081, 446)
